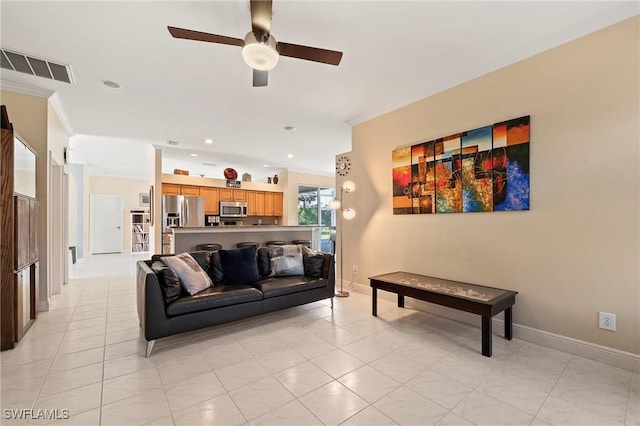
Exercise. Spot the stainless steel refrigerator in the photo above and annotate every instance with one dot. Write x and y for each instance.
(185, 211)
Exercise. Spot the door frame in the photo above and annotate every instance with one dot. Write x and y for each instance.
(56, 240)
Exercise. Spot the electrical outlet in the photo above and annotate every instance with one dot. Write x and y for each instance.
(607, 321)
(355, 269)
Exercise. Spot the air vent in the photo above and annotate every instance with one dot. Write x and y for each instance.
(174, 143)
(35, 66)
(208, 164)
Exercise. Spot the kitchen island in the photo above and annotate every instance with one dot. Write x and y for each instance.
(186, 239)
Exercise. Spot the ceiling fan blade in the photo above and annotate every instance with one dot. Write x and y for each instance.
(260, 78)
(200, 36)
(261, 12)
(307, 53)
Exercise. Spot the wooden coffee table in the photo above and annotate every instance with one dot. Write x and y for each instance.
(484, 301)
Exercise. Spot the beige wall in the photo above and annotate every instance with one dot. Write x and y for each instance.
(576, 252)
(130, 190)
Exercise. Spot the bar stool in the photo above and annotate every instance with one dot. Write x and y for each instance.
(248, 244)
(276, 243)
(305, 243)
(209, 247)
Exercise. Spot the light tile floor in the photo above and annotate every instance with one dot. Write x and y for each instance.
(308, 365)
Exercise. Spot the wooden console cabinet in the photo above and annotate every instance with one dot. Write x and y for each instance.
(18, 240)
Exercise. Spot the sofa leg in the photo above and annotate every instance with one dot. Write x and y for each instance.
(332, 303)
(149, 348)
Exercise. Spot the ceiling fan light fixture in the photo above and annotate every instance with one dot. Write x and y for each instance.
(262, 56)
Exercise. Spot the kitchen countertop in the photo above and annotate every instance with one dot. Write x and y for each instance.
(243, 228)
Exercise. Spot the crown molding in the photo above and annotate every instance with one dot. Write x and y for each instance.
(62, 116)
(611, 17)
(25, 89)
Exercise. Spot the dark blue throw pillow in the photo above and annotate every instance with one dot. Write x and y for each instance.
(239, 266)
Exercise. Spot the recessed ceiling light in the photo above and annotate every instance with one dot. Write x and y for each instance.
(111, 84)
(289, 155)
(265, 165)
(209, 141)
(194, 155)
(289, 128)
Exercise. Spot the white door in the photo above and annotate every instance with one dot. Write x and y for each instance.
(105, 217)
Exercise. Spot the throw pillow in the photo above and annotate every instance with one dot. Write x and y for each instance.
(312, 261)
(264, 262)
(168, 280)
(192, 277)
(202, 257)
(286, 260)
(215, 268)
(239, 266)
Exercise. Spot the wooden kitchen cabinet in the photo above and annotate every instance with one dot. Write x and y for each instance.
(278, 203)
(268, 203)
(170, 189)
(239, 195)
(251, 203)
(175, 189)
(211, 199)
(226, 194)
(190, 190)
(259, 203)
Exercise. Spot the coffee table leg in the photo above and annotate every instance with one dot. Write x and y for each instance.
(400, 301)
(508, 324)
(486, 336)
(374, 301)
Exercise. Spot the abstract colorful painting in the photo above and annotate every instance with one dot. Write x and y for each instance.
(423, 178)
(511, 165)
(448, 163)
(480, 170)
(477, 186)
(401, 161)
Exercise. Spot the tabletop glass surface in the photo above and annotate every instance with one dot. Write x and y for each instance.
(438, 285)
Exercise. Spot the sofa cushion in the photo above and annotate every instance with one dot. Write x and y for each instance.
(239, 266)
(272, 287)
(215, 267)
(168, 280)
(312, 261)
(214, 297)
(202, 257)
(192, 277)
(264, 262)
(286, 260)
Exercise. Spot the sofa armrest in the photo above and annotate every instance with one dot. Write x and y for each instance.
(328, 270)
(151, 308)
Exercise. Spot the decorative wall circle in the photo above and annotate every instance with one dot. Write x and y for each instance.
(343, 165)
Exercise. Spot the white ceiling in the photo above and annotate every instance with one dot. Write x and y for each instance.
(394, 53)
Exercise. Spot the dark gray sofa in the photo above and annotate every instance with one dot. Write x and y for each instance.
(225, 301)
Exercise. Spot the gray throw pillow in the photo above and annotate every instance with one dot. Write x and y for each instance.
(192, 277)
(286, 260)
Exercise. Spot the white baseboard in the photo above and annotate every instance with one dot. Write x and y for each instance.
(43, 306)
(604, 354)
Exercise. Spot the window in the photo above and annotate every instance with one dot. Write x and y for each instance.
(313, 209)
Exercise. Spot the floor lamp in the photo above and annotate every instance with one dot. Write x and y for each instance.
(348, 214)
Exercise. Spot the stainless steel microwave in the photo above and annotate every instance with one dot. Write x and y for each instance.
(233, 209)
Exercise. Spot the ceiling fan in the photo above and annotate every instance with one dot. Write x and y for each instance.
(260, 49)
